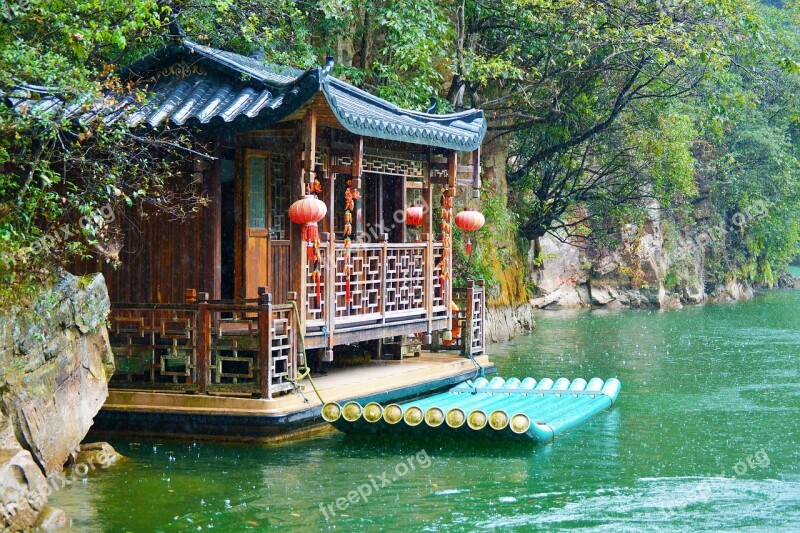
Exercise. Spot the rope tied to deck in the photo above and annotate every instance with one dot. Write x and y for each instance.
(303, 371)
(479, 370)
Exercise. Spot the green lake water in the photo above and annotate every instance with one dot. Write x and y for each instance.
(705, 436)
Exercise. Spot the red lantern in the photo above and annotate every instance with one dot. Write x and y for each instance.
(415, 216)
(308, 211)
(469, 221)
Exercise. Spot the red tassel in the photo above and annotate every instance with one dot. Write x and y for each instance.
(469, 247)
(310, 232)
(347, 289)
(317, 277)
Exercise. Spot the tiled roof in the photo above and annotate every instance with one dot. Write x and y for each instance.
(202, 87)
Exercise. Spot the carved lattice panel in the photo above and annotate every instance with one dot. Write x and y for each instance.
(315, 299)
(438, 285)
(343, 160)
(365, 281)
(235, 352)
(282, 349)
(405, 279)
(321, 156)
(279, 191)
(153, 346)
(411, 168)
(477, 320)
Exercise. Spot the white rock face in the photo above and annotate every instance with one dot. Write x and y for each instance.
(645, 270)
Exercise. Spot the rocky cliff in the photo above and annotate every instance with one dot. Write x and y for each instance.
(55, 362)
(654, 265)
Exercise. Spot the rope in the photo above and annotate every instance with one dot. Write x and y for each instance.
(303, 371)
(479, 370)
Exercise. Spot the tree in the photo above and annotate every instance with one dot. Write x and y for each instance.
(560, 77)
(67, 173)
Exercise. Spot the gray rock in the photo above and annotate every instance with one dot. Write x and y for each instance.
(55, 363)
(23, 490)
(51, 519)
(506, 322)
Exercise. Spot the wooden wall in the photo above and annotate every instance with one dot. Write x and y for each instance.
(162, 257)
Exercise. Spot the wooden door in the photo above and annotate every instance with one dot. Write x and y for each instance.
(256, 220)
(280, 271)
(264, 253)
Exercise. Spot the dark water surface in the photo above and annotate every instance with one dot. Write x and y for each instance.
(705, 436)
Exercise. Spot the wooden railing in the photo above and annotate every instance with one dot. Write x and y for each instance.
(246, 347)
(385, 282)
(471, 301)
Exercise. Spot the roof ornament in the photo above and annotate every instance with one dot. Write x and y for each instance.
(175, 28)
(328, 66)
(433, 106)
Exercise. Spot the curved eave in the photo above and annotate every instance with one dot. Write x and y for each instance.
(364, 114)
(305, 87)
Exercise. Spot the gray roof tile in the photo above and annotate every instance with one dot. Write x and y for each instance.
(202, 87)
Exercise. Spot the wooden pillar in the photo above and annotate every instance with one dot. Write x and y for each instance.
(265, 342)
(203, 342)
(213, 244)
(329, 191)
(482, 288)
(355, 173)
(466, 332)
(452, 173)
(427, 236)
(298, 249)
(309, 145)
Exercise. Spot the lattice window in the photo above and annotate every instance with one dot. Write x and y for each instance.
(282, 349)
(366, 270)
(234, 352)
(405, 279)
(410, 168)
(344, 160)
(477, 320)
(279, 189)
(438, 285)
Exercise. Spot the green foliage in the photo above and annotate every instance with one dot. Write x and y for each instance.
(63, 182)
(611, 109)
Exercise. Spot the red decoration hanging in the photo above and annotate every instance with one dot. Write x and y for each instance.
(351, 194)
(415, 216)
(469, 221)
(444, 264)
(308, 211)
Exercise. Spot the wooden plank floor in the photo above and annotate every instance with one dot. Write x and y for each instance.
(386, 378)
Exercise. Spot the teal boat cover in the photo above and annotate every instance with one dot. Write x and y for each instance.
(501, 408)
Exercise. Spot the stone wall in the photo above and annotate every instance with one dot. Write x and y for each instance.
(55, 362)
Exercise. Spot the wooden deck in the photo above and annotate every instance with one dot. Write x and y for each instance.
(253, 347)
(182, 415)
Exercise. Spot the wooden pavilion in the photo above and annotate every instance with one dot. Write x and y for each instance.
(224, 302)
